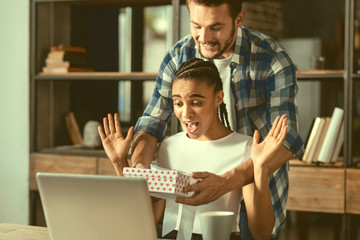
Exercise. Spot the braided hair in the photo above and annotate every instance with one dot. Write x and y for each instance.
(204, 71)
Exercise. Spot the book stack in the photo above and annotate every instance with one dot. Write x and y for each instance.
(64, 59)
(325, 138)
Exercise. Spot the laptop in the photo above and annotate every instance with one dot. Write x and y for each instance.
(95, 207)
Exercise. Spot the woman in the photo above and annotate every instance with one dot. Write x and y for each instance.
(206, 145)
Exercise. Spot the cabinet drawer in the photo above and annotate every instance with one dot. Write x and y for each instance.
(105, 167)
(352, 191)
(53, 163)
(316, 189)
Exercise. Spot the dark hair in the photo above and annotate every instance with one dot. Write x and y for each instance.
(235, 6)
(203, 71)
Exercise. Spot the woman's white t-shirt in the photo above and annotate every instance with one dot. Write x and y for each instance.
(216, 156)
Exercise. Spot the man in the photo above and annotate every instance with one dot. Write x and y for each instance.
(259, 85)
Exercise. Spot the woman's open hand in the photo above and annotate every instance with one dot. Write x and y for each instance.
(115, 145)
(262, 152)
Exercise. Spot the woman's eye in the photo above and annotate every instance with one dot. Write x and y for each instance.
(179, 104)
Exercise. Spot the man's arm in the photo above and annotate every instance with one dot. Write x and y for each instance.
(212, 186)
(144, 146)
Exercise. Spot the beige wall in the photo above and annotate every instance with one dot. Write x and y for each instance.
(14, 111)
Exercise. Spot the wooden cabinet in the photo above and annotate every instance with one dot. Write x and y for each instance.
(53, 163)
(315, 189)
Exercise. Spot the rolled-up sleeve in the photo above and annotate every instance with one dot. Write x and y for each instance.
(160, 107)
(282, 90)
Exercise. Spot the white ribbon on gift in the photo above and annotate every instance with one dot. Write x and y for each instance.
(181, 220)
(186, 219)
(177, 216)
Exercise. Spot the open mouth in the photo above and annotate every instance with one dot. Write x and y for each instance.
(191, 126)
(208, 45)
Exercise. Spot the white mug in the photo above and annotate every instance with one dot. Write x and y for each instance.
(216, 225)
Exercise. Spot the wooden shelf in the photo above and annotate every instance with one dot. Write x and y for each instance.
(118, 3)
(141, 76)
(74, 150)
(297, 162)
(320, 75)
(134, 76)
(356, 76)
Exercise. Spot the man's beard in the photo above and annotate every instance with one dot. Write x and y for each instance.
(221, 51)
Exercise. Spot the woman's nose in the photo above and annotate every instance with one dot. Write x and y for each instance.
(187, 112)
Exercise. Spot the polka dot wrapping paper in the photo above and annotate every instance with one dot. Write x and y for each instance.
(163, 180)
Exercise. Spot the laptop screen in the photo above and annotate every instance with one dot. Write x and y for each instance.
(96, 207)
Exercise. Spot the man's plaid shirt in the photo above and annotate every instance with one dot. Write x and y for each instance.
(263, 84)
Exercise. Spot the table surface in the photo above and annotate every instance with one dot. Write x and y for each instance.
(21, 232)
(10, 231)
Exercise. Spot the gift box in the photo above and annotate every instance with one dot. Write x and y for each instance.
(163, 183)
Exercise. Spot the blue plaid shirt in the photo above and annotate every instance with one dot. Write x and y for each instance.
(263, 84)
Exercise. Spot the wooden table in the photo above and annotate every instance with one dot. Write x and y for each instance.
(22, 232)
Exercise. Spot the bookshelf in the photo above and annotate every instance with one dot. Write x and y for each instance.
(55, 22)
(53, 95)
(332, 188)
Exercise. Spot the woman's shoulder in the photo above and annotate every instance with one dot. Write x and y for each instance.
(174, 138)
(239, 136)
(182, 136)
